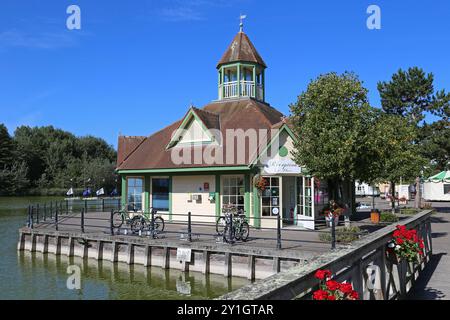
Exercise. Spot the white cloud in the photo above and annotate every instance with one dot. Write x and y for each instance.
(44, 40)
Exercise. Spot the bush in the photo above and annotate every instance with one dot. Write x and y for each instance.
(344, 235)
(387, 216)
(409, 211)
(427, 206)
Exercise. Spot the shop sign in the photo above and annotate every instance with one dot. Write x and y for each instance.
(282, 166)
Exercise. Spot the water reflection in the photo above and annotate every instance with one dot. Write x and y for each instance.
(47, 276)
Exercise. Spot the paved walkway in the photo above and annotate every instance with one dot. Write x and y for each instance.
(434, 282)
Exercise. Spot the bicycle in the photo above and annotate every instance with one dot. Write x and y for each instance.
(236, 227)
(122, 215)
(144, 221)
(221, 221)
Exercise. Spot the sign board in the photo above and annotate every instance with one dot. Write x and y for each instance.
(282, 166)
(184, 254)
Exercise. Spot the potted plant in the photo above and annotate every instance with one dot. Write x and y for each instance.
(332, 211)
(405, 245)
(260, 183)
(333, 290)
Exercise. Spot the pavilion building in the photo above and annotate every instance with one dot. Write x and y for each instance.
(236, 150)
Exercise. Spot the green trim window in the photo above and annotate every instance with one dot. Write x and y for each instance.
(233, 191)
(160, 194)
(135, 190)
(270, 199)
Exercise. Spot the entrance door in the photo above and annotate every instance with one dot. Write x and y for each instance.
(289, 199)
(305, 202)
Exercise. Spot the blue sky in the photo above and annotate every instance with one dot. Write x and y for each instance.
(135, 66)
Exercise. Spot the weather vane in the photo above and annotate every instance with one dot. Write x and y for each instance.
(241, 25)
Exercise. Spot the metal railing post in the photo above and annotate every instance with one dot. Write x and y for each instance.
(82, 220)
(67, 207)
(152, 222)
(56, 218)
(103, 205)
(278, 231)
(189, 227)
(37, 213)
(85, 205)
(30, 218)
(111, 225)
(45, 211)
(51, 209)
(333, 233)
(231, 227)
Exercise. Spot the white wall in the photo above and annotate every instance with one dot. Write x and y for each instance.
(182, 186)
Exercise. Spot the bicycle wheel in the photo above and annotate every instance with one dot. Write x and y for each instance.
(158, 224)
(220, 225)
(137, 224)
(118, 219)
(228, 235)
(245, 231)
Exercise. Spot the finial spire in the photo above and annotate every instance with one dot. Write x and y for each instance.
(241, 25)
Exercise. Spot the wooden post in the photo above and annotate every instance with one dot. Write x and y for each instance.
(227, 272)
(115, 253)
(251, 268)
(21, 245)
(99, 250)
(130, 254)
(206, 261)
(166, 258)
(58, 245)
(276, 265)
(33, 242)
(71, 247)
(148, 256)
(45, 246)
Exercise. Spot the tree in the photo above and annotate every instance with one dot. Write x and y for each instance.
(398, 154)
(6, 147)
(411, 94)
(332, 119)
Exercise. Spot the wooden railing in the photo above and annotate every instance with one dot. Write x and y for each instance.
(363, 263)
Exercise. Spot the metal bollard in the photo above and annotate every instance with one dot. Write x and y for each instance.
(56, 218)
(82, 220)
(111, 225)
(333, 233)
(278, 231)
(189, 227)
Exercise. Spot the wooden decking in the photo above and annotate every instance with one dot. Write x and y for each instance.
(434, 282)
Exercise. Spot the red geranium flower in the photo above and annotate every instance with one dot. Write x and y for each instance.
(332, 285)
(320, 295)
(331, 298)
(346, 288)
(354, 295)
(399, 241)
(323, 274)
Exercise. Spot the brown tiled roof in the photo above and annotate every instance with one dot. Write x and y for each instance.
(243, 113)
(127, 144)
(241, 49)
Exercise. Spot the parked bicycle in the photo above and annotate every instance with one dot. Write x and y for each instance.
(236, 226)
(123, 215)
(142, 222)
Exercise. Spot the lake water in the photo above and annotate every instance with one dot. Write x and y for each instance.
(25, 275)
